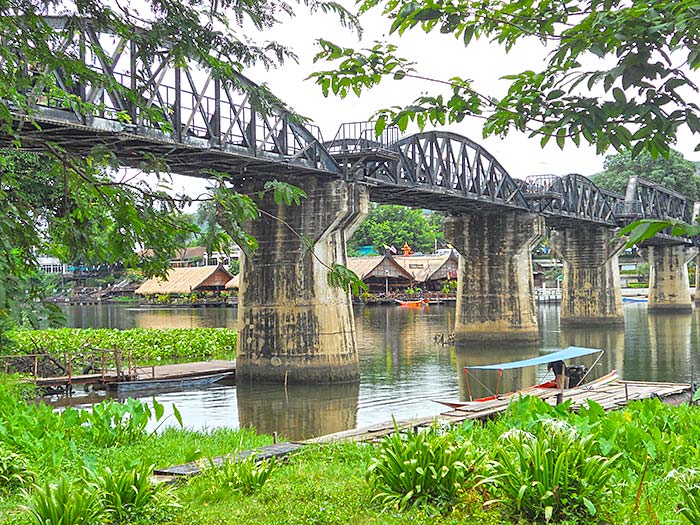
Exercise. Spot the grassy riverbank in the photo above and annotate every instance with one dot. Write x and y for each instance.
(146, 345)
(633, 466)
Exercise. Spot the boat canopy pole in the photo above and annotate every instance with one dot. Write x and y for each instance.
(591, 368)
(469, 388)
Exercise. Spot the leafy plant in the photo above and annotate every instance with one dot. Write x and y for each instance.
(246, 475)
(449, 286)
(551, 473)
(14, 470)
(129, 494)
(65, 503)
(111, 423)
(422, 468)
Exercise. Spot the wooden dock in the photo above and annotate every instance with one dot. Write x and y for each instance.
(183, 370)
(176, 371)
(610, 396)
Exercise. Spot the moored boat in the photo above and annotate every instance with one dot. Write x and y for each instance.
(181, 383)
(576, 374)
(417, 303)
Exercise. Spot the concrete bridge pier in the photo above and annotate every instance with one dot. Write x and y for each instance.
(591, 292)
(669, 287)
(495, 291)
(293, 327)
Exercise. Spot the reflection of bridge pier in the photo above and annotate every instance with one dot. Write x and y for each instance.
(298, 411)
(495, 291)
(591, 291)
(293, 326)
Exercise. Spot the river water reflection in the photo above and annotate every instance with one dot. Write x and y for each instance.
(402, 369)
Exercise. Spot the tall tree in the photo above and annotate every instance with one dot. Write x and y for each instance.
(614, 73)
(396, 225)
(73, 206)
(47, 208)
(673, 172)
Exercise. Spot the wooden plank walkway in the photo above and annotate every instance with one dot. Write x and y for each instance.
(610, 396)
(270, 451)
(182, 370)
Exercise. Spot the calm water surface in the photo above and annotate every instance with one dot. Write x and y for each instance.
(401, 368)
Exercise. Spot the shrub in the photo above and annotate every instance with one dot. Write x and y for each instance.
(421, 468)
(551, 474)
(129, 495)
(65, 503)
(246, 475)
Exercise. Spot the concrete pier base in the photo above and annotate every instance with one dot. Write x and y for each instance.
(591, 292)
(293, 327)
(495, 291)
(668, 279)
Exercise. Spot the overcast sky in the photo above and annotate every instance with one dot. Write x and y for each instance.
(437, 56)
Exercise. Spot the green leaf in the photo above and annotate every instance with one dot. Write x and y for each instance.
(158, 409)
(178, 416)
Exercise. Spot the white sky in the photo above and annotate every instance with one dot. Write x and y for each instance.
(438, 56)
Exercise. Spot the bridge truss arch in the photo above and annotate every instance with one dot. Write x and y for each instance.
(141, 101)
(572, 199)
(438, 170)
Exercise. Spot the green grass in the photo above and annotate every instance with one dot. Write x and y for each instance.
(655, 446)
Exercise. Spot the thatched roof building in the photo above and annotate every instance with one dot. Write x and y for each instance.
(430, 269)
(188, 280)
(380, 273)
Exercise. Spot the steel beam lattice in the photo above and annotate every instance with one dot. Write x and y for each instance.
(140, 101)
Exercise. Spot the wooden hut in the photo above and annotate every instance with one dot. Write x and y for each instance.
(430, 271)
(381, 274)
(182, 281)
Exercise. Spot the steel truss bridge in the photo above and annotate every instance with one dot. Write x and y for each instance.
(198, 123)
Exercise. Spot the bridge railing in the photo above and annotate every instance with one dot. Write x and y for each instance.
(184, 112)
(361, 137)
(628, 211)
(541, 187)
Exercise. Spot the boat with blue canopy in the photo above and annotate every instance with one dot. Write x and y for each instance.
(576, 374)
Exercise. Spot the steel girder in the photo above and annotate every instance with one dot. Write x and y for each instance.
(185, 112)
(437, 170)
(657, 202)
(572, 198)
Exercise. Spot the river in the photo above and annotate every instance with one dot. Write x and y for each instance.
(401, 367)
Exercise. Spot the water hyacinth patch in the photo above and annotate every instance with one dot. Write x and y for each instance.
(144, 344)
